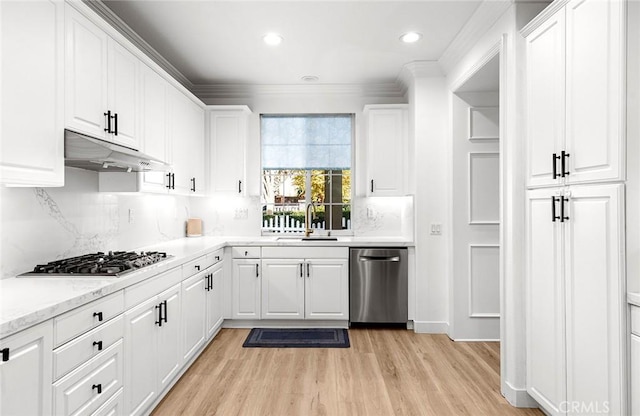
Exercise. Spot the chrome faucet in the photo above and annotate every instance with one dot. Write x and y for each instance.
(308, 218)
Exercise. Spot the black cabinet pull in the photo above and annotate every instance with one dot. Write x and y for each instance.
(159, 309)
(563, 163)
(217, 258)
(108, 121)
(308, 273)
(99, 315)
(5, 354)
(197, 266)
(99, 344)
(115, 124)
(173, 181)
(193, 184)
(301, 268)
(257, 271)
(211, 281)
(168, 181)
(371, 185)
(562, 199)
(164, 302)
(239, 187)
(97, 387)
(554, 164)
(553, 209)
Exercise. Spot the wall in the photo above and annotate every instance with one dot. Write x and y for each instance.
(38, 225)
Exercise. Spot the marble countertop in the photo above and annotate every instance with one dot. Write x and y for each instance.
(633, 298)
(27, 301)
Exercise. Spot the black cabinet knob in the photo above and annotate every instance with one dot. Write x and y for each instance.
(99, 344)
(98, 315)
(5, 354)
(97, 387)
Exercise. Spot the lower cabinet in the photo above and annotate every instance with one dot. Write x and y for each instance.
(305, 289)
(194, 312)
(246, 289)
(215, 300)
(26, 371)
(635, 361)
(153, 348)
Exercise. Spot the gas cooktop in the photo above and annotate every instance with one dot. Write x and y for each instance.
(113, 263)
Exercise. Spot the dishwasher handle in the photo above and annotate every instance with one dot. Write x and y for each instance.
(394, 259)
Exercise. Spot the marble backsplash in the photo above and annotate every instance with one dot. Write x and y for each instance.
(38, 225)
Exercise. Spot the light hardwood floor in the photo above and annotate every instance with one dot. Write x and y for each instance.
(385, 372)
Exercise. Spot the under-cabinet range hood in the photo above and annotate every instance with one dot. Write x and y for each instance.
(81, 151)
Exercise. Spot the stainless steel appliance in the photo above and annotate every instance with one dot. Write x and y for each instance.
(378, 285)
(111, 264)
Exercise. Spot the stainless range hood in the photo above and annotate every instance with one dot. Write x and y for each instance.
(85, 152)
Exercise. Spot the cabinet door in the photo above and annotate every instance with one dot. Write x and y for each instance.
(327, 289)
(194, 312)
(545, 95)
(594, 276)
(214, 300)
(141, 340)
(635, 375)
(155, 132)
(25, 379)
(86, 75)
(169, 345)
(283, 289)
(228, 134)
(187, 139)
(387, 148)
(31, 132)
(595, 89)
(123, 82)
(546, 377)
(246, 289)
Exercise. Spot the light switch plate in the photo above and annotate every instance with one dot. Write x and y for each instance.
(436, 229)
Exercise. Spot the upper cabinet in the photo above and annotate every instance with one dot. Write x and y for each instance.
(386, 142)
(575, 94)
(228, 126)
(102, 81)
(32, 34)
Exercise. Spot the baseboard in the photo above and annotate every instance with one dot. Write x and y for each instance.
(431, 327)
(518, 397)
(475, 340)
(282, 323)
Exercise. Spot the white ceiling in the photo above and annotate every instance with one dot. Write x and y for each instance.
(340, 41)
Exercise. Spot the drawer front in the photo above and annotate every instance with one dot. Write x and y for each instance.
(113, 407)
(84, 318)
(248, 252)
(635, 320)
(136, 294)
(83, 391)
(76, 352)
(196, 266)
(297, 252)
(216, 257)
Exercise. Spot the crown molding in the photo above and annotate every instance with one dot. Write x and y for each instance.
(485, 16)
(418, 69)
(118, 24)
(238, 91)
(542, 17)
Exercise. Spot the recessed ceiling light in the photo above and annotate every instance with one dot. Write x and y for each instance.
(272, 39)
(310, 78)
(411, 37)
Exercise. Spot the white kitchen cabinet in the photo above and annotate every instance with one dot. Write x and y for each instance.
(152, 347)
(101, 83)
(246, 288)
(327, 289)
(187, 144)
(283, 288)
(32, 138)
(574, 297)
(215, 300)
(26, 371)
(194, 313)
(575, 94)
(387, 144)
(635, 375)
(228, 129)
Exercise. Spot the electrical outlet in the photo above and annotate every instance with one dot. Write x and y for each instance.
(131, 217)
(436, 229)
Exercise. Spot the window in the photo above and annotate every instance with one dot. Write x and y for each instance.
(306, 159)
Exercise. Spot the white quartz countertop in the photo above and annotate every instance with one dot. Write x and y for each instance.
(27, 301)
(633, 298)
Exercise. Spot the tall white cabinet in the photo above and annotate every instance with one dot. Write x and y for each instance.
(576, 347)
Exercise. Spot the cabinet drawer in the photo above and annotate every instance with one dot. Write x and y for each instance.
(136, 294)
(297, 252)
(86, 389)
(76, 352)
(635, 320)
(216, 257)
(84, 318)
(113, 407)
(248, 252)
(196, 266)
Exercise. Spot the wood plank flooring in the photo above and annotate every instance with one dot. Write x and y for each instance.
(385, 372)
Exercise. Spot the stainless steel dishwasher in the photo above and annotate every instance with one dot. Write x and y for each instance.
(378, 285)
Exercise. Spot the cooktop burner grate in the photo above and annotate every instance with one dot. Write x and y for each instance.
(113, 263)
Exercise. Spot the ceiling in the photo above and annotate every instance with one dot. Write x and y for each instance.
(214, 42)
